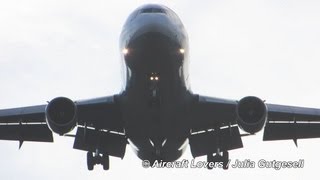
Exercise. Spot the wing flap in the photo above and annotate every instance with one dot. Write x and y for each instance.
(286, 131)
(25, 124)
(26, 132)
(290, 122)
(106, 142)
(204, 143)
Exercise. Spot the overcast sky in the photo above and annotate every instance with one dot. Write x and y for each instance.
(52, 48)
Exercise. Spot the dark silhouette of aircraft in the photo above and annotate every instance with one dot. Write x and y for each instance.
(156, 112)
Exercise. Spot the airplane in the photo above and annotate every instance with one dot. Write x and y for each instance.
(156, 112)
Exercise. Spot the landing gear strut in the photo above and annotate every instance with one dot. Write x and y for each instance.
(224, 158)
(96, 158)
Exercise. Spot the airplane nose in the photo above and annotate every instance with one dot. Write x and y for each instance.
(152, 41)
(156, 23)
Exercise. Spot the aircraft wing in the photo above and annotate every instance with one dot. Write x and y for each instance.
(101, 113)
(25, 124)
(289, 122)
(99, 126)
(215, 124)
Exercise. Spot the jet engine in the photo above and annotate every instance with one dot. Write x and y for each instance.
(252, 114)
(61, 115)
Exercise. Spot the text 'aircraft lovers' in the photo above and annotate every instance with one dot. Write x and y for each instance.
(156, 112)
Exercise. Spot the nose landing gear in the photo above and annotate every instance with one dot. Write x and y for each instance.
(154, 79)
(218, 158)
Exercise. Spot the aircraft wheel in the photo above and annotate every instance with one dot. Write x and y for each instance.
(210, 158)
(105, 162)
(90, 161)
(225, 160)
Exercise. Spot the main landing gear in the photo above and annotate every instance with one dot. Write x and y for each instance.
(96, 158)
(218, 158)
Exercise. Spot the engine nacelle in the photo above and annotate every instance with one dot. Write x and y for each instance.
(252, 114)
(61, 115)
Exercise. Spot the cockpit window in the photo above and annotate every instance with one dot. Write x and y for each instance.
(152, 10)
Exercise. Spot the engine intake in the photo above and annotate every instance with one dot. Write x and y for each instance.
(61, 115)
(252, 114)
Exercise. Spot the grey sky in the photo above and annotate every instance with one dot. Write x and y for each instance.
(51, 48)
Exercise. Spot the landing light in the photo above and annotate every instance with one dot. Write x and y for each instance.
(125, 51)
(154, 78)
(181, 51)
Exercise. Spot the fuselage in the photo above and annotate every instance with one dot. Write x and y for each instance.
(156, 93)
